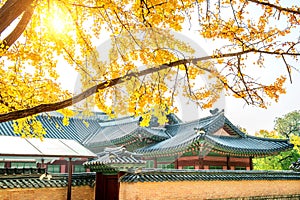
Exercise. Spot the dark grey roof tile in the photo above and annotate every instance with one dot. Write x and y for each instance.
(205, 175)
(33, 181)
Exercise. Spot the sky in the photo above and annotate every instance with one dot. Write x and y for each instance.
(254, 118)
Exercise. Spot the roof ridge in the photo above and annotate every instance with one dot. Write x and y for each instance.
(72, 117)
(269, 139)
(111, 122)
(194, 121)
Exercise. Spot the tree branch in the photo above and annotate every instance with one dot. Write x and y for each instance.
(17, 32)
(282, 159)
(87, 6)
(276, 7)
(109, 83)
(11, 10)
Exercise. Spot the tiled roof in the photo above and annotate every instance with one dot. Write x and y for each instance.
(115, 159)
(184, 135)
(190, 135)
(208, 124)
(90, 130)
(34, 181)
(172, 139)
(123, 133)
(117, 155)
(229, 127)
(13, 171)
(76, 130)
(246, 146)
(158, 175)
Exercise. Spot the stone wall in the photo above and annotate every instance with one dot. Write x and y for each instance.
(195, 190)
(57, 193)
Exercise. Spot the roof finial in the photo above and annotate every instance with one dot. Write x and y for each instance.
(214, 111)
(199, 131)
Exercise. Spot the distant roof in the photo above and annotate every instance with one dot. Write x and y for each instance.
(122, 132)
(33, 147)
(116, 159)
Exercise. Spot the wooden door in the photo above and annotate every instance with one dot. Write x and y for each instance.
(107, 187)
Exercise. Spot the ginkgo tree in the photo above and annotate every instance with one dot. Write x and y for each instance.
(36, 34)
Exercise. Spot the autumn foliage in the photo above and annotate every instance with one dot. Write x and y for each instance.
(38, 34)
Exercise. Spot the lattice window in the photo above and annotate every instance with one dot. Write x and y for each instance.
(215, 167)
(23, 165)
(149, 164)
(53, 168)
(79, 168)
(240, 168)
(188, 167)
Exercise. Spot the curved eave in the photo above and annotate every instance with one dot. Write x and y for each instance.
(172, 150)
(272, 146)
(114, 163)
(113, 166)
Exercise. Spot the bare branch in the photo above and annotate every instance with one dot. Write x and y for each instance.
(87, 6)
(276, 6)
(287, 68)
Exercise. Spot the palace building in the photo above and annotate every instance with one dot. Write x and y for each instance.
(212, 142)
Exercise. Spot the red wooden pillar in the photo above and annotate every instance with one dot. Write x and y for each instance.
(43, 163)
(228, 162)
(176, 162)
(63, 169)
(201, 163)
(7, 164)
(155, 162)
(69, 195)
(251, 163)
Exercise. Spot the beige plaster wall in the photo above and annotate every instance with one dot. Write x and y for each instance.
(78, 193)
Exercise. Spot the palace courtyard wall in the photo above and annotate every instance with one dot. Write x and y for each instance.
(195, 190)
(53, 193)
